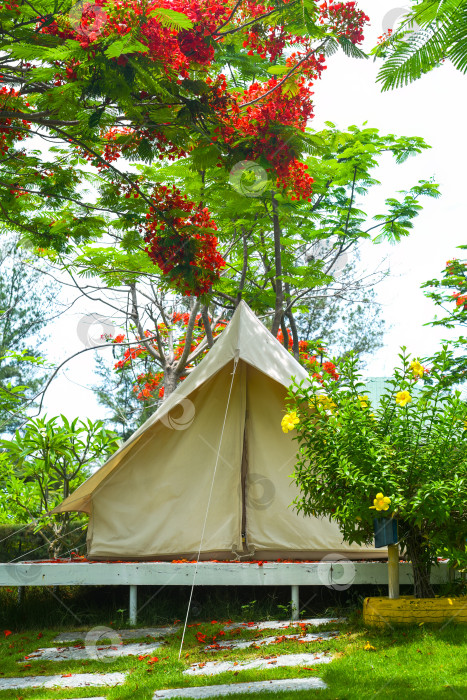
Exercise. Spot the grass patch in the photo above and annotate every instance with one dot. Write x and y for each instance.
(417, 662)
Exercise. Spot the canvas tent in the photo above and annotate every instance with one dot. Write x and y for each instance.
(156, 497)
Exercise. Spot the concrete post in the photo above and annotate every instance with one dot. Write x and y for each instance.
(393, 570)
(133, 604)
(295, 603)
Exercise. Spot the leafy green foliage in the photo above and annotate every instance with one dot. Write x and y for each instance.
(411, 448)
(432, 32)
(44, 463)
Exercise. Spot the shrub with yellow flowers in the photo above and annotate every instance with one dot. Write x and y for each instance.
(403, 457)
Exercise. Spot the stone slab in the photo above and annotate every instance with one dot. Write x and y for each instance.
(218, 691)
(94, 651)
(283, 624)
(264, 641)
(76, 680)
(212, 668)
(123, 634)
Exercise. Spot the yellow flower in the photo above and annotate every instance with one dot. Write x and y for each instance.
(403, 398)
(289, 421)
(327, 403)
(417, 368)
(364, 400)
(368, 647)
(381, 502)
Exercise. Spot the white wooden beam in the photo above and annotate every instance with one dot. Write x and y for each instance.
(209, 574)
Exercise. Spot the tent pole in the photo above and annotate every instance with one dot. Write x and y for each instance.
(133, 604)
(295, 603)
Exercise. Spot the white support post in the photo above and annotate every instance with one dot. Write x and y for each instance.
(133, 604)
(20, 594)
(393, 570)
(295, 603)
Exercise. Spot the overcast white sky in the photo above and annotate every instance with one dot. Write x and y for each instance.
(433, 108)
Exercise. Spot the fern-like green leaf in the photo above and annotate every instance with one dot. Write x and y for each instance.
(349, 48)
(442, 35)
(171, 18)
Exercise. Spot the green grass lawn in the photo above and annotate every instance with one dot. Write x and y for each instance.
(417, 662)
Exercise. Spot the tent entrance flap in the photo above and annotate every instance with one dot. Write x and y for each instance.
(244, 477)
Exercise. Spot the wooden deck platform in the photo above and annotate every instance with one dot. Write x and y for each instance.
(338, 575)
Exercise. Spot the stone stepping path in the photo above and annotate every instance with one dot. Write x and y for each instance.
(212, 668)
(217, 691)
(74, 680)
(264, 641)
(283, 624)
(90, 651)
(97, 633)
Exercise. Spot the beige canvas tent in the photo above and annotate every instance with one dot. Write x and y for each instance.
(156, 497)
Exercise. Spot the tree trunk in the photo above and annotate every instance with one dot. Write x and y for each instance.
(170, 381)
(419, 555)
(279, 289)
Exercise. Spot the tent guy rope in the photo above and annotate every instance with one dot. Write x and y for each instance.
(237, 354)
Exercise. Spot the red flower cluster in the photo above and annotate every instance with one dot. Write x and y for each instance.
(130, 354)
(125, 141)
(189, 259)
(176, 49)
(257, 122)
(345, 19)
(266, 41)
(194, 44)
(296, 181)
(384, 37)
(330, 369)
(461, 299)
(10, 100)
(311, 362)
(253, 127)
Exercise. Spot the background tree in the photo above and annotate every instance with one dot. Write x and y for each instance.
(44, 463)
(343, 325)
(280, 257)
(29, 302)
(115, 393)
(280, 250)
(151, 82)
